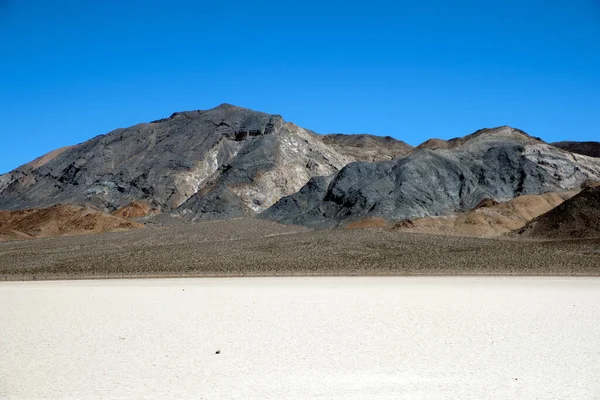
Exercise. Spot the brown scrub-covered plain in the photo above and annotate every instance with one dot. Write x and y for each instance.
(250, 247)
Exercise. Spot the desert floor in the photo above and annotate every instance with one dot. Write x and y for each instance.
(302, 338)
(255, 248)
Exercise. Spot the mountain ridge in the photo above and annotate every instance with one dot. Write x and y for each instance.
(233, 162)
(185, 163)
(499, 164)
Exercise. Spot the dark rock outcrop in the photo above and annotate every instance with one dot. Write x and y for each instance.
(576, 218)
(591, 149)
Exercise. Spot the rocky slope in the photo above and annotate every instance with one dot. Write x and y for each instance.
(591, 149)
(220, 163)
(576, 218)
(59, 220)
(363, 147)
(499, 164)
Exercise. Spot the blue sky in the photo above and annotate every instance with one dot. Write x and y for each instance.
(71, 70)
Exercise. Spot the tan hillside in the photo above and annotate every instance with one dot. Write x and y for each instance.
(46, 158)
(59, 220)
(364, 147)
(488, 219)
(482, 135)
(135, 209)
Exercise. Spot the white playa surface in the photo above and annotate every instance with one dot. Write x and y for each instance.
(301, 338)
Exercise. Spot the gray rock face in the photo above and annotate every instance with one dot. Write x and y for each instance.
(264, 170)
(591, 149)
(220, 163)
(363, 147)
(497, 164)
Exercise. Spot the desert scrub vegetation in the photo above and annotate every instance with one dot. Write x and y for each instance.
(256, 248)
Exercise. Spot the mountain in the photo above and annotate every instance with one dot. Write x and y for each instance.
(231, 162)
(498, 164)
(59, 220)
(576, 218)
(220, 163)
(363, 147)
(591, 149)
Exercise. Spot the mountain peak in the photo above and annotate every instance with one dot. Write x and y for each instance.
(226, 106)
(504, 133)
(221, 112)
(499, 131)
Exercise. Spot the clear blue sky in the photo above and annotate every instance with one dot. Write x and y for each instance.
(70, 70)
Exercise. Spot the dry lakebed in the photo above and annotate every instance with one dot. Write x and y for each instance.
(302, 338)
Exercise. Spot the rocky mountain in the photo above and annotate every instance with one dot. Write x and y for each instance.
(219, 163)
(591, 149)
(59, 220)
(230, 162)
(576, 218)
(498, 164)
(363, 147)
